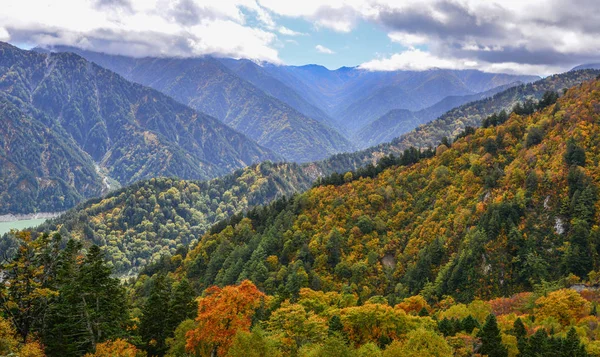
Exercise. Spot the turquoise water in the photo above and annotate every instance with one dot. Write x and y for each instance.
(26, 223)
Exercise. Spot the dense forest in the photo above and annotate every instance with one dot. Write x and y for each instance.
(60, 300)
(512, 202)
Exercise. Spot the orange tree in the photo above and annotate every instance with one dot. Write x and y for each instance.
(222, 312)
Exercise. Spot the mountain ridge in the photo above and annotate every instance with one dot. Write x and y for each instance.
(130, 130)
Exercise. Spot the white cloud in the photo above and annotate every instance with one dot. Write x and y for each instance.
(540, 35)
(407, 39)
(419, 60)
(287, 32)
(231, 39)
(413, 60)
(4, 35)
(323, 49)
(145, 27)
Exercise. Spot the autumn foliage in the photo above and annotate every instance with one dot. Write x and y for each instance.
(565, 305)
(116, 348)
(222, 312)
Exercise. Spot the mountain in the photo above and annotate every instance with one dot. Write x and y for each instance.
(138, 224)
(207, 85)
(500, 210)
(477, 249)
(453, 122)
(260, 78)
(129, 131)
(40, 168)
(399, 121)
(274, 104)
(355, 97)
(587, 66)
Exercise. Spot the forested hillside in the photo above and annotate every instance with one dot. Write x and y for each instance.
(131, 132)
(500, 210)
(468, 249)
(399, 121)
(138, 224)
(191, 215)
(39, 167)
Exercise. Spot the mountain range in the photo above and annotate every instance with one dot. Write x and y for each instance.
(487, 207)
(82, 124)
(208, 86)
(104, 131)
(305, 103)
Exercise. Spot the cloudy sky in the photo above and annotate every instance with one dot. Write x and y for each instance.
(523, 36)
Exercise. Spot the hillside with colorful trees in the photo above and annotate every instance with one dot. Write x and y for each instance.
(492, 214)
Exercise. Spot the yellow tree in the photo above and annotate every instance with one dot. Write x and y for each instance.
(377, 322)
(116, 348)
(24, 291)
(294, 326)
(10, 346)
(420, 343)
(565, 305)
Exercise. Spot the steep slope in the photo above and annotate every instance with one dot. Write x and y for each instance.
(208, 86)
(40, 169)
(138, 224)
(500, 210)
(448, 125)
(261, 79)
(130, 131)
(399, 121)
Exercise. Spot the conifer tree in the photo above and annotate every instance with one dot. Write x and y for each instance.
(520, 332)
(469, 324)
(537, 345)
(154, 326)
(571, 347)
(491, 340)
(335, 325)
(90, 308)
(182, 305)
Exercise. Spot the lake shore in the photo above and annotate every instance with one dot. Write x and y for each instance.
(23, 217)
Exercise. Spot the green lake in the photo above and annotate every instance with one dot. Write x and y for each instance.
(25, 223)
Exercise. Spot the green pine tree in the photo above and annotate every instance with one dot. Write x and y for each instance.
(571, 346)
(520, 332)
(154, 323)
(182, 305)
(469, 323)
(491, 340)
